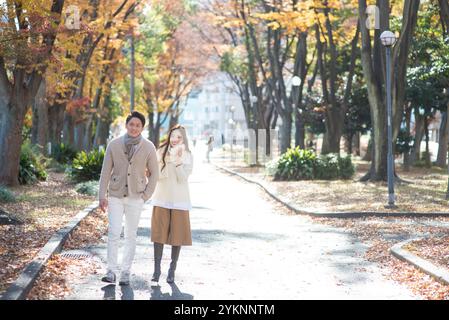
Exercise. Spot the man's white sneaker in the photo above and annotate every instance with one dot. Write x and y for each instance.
(109, 277)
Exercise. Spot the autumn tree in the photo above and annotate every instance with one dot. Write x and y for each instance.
(373, 63)
(29, 31)
(172, 60)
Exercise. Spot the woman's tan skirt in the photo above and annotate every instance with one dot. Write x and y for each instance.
(171, 226)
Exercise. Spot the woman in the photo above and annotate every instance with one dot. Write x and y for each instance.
(170, 222)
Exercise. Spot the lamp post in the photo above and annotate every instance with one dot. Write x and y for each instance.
(232, 123)
(388, 39)
(299, 124)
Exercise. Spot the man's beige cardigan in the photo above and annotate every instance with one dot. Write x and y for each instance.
(128, 178)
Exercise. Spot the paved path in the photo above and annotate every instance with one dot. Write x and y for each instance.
(243, 249)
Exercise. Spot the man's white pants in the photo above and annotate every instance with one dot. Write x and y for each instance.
(132, 209)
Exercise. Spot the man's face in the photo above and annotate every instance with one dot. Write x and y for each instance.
(134, 127)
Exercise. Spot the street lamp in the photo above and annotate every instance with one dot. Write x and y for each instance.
(388, 39)
(299, 124)
(296, 81)
(232, 124)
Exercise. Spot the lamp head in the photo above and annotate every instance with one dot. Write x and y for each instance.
(296, 81)
(387, 38)
(253, 99)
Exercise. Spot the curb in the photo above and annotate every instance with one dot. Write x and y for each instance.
(332, 214)
(440, 274)
(20, 288)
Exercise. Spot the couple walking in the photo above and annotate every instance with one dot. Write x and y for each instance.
(133, 172)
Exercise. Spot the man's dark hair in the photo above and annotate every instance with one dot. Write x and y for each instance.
(138, 115)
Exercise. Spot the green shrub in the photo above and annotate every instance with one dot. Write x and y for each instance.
(299, 164)
(89, 188)
(6, 195)
(32, 164)
(87, 166)
(326, 167)
(63, 153)
(346, 167)
(295, 164)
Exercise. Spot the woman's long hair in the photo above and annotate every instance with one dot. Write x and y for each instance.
(164, 146)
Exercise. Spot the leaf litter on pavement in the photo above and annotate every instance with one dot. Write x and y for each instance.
(61, 272)
(43, 208)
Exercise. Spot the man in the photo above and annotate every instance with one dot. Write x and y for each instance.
(128, 161)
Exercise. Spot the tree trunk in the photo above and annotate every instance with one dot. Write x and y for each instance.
(80, 131)
(87, 140)
(426, 131)
(15, 98)
(300, 130)
(10, 143)
(349, 139)
(357, 144)
(102, 132)
(444, 14)
(375, 80)
(286, 131)
(408, 116)
(174, 118)
(40, 118)
(334, 129)
(56, 114)
(69, 130)
(400, 62)
(151, 133)
(442, 141)
(369, 150)
(419, 132)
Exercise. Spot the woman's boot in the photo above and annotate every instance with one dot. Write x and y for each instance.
(158, 249)
(174, 259)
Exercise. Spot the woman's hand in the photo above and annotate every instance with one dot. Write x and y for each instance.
(180, 150)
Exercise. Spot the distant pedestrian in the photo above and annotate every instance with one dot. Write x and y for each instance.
(170, 222)
(210, 147)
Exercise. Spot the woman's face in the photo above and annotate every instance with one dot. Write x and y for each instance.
(176, 137)
(134, 127)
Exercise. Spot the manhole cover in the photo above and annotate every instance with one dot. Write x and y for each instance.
(76, 254)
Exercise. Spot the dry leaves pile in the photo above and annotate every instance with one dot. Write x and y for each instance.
(60, 272)
(44, 208)
(434, 249)
(89, 231)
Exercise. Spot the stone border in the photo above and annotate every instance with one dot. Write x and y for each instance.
(20, 288)
(440, 274)
(332, 214)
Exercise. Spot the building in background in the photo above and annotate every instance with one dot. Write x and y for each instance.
(208, 110)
